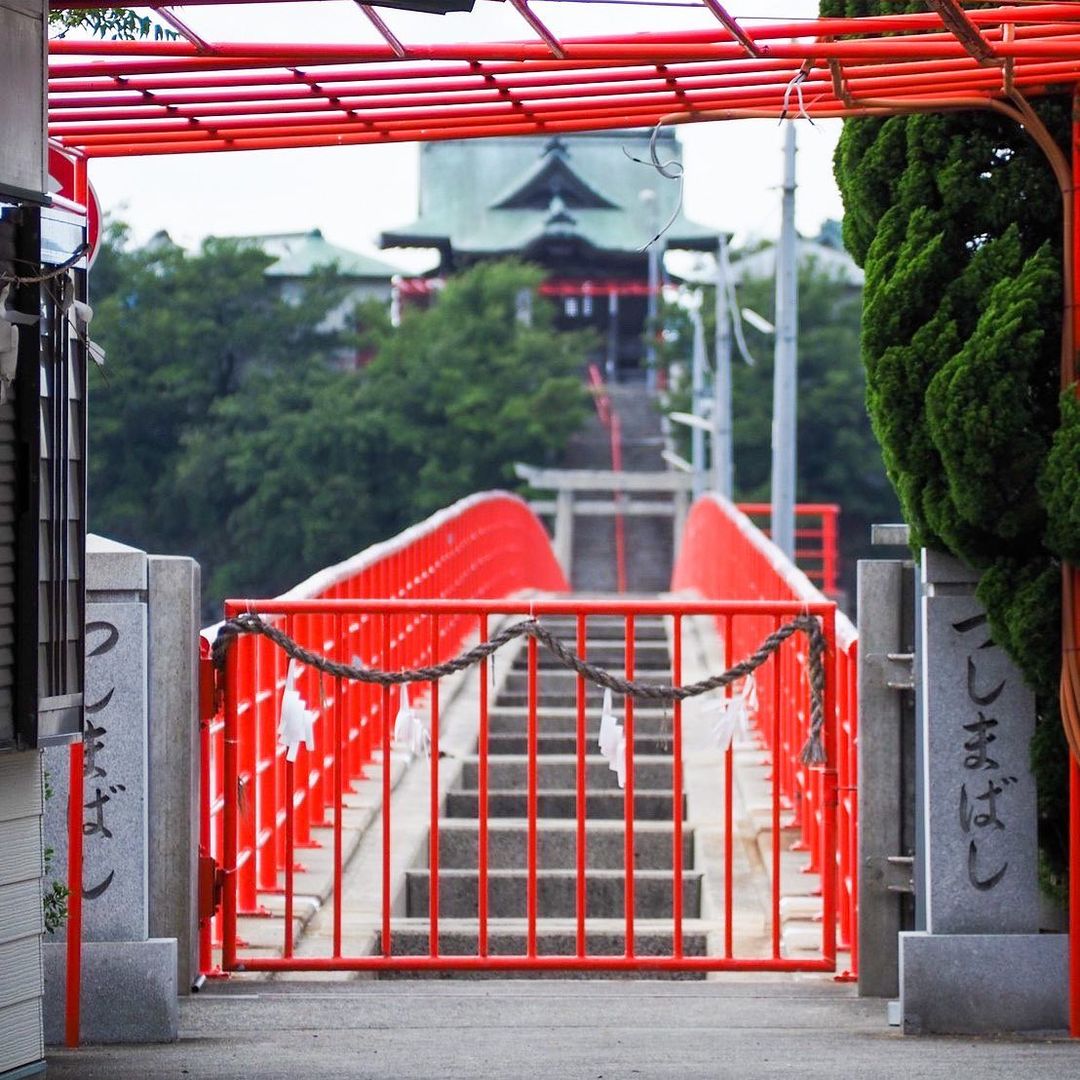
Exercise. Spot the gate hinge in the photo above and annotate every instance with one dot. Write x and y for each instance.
(208, 684)
(211, 886)
(900, 874)
(895, 670)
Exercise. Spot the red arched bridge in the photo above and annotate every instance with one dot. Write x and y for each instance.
(558, 838)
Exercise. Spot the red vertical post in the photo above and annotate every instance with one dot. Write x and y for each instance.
(433, 835)
(851, 722)
(264, 783)
(1068, 376)
(1074, 897)
(829, 554)
(628, 803)
(339, 786)
(206, 716)
(229, 810)
(384, 728)
(827, 842)
(581, 805)
(73, 985)
(677, 793)
(774, 663)
(530, 898)
(482, 838)
(290, 855)
(729, 815)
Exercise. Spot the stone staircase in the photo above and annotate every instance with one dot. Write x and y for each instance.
(557, 822)
(649, 540)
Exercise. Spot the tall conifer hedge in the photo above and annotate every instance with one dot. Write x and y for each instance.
(956, 219)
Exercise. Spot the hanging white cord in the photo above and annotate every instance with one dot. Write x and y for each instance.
(670, 170)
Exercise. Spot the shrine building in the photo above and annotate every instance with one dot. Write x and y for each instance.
(579, 206)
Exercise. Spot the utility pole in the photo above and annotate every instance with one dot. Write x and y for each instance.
(697, 388)
(723, 459)
(785, 363)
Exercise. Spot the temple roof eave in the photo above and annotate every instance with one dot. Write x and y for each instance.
(698, 238)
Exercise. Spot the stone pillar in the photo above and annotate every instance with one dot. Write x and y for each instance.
(680, 507)
(173, 757)
(886, 752)
(564, 529)
(980, 965)
(129, 991)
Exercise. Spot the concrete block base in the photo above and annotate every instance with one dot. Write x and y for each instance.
(129, 992)
(981, 984)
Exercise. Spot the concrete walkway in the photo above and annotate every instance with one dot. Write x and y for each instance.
(749, 1030)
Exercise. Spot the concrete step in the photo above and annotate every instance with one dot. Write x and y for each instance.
(647, 654)
(561, 680)
(554, 937)
(556, 844)
(562, 771)
(600, 629)
(554, 698)
(556, 893)
(562, 803)
(562, 720)
(547, 743)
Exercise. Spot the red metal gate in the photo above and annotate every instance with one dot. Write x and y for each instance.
(277, 803)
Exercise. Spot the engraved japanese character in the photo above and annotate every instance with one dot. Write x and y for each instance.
(96, 891)
(90, 828)
(981, 738)
(987, 883)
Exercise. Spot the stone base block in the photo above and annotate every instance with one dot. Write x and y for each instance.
(129, 991)
(981, 984)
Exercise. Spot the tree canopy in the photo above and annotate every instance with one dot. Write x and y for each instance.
(227, 431)
(838, 458)
(956, 218)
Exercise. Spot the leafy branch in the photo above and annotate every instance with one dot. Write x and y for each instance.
(116, 24)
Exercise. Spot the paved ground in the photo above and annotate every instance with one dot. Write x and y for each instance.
(551, 1030)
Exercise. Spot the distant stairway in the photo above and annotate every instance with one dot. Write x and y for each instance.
(557, 823)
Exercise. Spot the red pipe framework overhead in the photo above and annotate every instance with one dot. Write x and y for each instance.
(119, 98)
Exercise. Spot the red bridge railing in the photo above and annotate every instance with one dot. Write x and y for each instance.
(782, 694)
(488, 546)
(815, 539)
(724, 555)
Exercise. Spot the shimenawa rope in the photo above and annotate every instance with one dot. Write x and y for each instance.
(813, 753)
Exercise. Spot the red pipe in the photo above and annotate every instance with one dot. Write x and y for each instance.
(1074, 897)
(482, 809)
(677, 790)
(531, 811)
(629, 631)
(530, 963)
(729, 807)
(581, 807)
(434, 800)
(229, 813)
(384, 727)
(73, 952)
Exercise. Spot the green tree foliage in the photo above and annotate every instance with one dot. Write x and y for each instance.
(181, 332)
(117, 24)
(226, 431)
(838, 460)
(956, 218)
(461, 392)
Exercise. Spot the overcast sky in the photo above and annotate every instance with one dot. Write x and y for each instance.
(733, 168)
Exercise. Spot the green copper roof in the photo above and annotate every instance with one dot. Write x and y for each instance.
(299, 254)
(501, 196)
